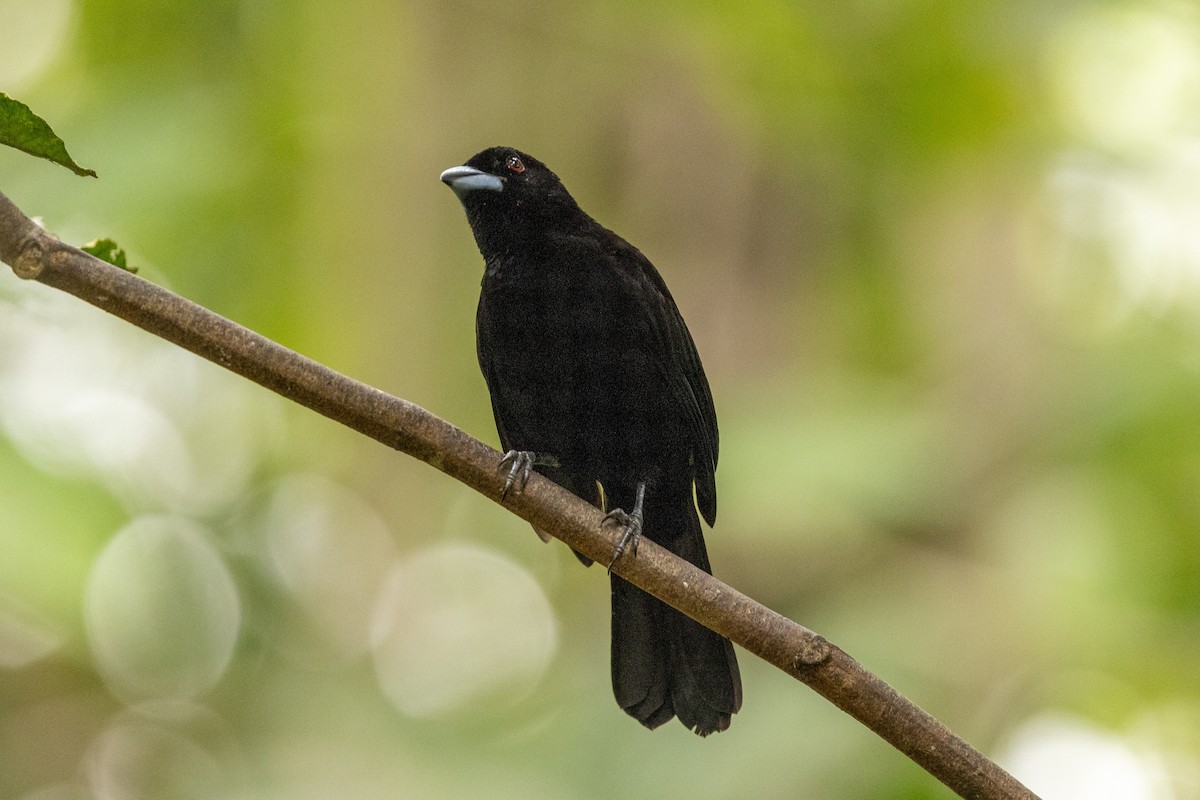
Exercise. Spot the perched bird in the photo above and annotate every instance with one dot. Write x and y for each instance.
(595, 383)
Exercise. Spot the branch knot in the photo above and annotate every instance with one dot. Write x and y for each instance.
(32, 259)
(812, 651)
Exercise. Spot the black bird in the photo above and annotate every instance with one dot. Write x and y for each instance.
(596, 383)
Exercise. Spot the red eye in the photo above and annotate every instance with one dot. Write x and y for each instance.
(515, 164)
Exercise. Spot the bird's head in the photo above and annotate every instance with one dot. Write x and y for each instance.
(509, 193)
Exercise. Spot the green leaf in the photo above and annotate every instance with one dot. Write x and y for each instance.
(26, 131)
(108, 250)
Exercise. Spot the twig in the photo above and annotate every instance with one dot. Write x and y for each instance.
(801, 653)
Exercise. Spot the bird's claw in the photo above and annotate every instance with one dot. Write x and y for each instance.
(520, 465)
(632, 522)
(629, 539)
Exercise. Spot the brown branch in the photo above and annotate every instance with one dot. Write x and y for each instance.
(397, 423)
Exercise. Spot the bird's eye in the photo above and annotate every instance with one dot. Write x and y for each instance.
(515, 164)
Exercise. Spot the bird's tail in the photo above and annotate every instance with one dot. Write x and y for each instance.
(664, 663)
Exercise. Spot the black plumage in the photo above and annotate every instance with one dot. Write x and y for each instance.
(595, 382)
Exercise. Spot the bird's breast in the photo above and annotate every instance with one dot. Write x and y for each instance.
(565, 336)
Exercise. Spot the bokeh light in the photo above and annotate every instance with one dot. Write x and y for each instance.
(329, 554)
(1123, 198)
(31, 38)
(1065, 757)
(1128, 73)
(86, 395)
(458, 625)
(24, 638)
(164, 751)
(162, 611)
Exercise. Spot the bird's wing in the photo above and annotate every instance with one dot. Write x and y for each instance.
(681, 368)
(500, 412)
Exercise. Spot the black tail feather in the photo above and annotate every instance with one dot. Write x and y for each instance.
(665, 664)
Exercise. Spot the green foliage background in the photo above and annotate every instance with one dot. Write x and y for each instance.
(940, 260)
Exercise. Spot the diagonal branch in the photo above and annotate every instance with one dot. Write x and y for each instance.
(801, 653)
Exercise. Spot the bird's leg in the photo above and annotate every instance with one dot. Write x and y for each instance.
(520, 464)
(633, 525)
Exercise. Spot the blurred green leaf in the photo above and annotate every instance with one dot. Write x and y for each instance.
(26, 131)
(110, 251)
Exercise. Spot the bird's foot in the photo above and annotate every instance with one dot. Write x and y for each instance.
(520, 465)
(632, 522)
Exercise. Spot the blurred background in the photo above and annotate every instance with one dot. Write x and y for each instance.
(942, 262)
